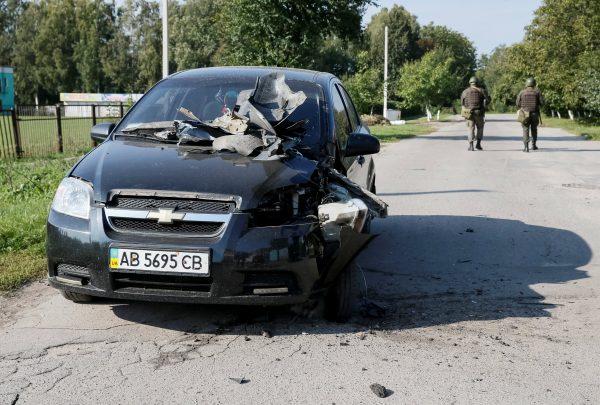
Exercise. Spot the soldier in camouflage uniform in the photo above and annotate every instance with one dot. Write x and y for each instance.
(475, 99)
(529, 102)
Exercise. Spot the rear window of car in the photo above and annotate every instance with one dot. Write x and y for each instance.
(209, 98)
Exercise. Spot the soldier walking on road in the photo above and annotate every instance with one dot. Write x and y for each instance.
(474, 100)
(529, 102)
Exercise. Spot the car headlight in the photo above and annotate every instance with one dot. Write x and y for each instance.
(73, 197)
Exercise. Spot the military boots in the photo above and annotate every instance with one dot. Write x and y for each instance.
(526, 148)
(478, 146)
(471, 146)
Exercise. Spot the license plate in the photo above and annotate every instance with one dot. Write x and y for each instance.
(159, 260)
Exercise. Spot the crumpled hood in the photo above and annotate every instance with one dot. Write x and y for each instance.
(119, 165)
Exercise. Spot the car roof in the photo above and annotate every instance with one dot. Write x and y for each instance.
(321, 78)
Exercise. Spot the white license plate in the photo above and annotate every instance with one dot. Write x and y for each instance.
(159, 260)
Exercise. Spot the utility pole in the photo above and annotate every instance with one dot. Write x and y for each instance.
(385, 72)
(165, 39)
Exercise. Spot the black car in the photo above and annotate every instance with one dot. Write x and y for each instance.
(228, 185)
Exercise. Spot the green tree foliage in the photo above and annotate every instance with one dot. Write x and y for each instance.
(561, 49)
(451, 44)
(27, 79)
(503, 76)
(428, 82)
(95, 27)
(293, 29)
(366, 86)
(195, 36)
(9, 12)
(403, 37)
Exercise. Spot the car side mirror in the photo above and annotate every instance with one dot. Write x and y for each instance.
(361, 144)
(101, 131)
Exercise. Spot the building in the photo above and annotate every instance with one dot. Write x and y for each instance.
(109, 104)
(7, 88)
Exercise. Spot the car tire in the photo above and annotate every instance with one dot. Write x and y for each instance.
(338, 300)
(77, 297)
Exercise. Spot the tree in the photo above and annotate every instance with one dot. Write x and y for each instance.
(53, 45)
(452, 44)
(145, 24)
(10, 10)
(95, 25)
(118, 65)
(428, 82)
(403, 37)
(27, 80)
(366, 86)
(503, 75)
(194, 33)
(337, 56)
(285, 32)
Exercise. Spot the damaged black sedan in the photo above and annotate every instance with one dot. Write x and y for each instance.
(250, 186)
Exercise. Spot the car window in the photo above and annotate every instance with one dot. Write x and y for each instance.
(209, 98)
(342, 124)
(352, 114)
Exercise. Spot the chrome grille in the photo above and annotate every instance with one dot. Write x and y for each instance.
(187, 205)
(151, 226)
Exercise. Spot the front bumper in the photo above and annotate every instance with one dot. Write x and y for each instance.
(242, 259)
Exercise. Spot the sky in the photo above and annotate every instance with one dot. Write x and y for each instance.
(488, 23)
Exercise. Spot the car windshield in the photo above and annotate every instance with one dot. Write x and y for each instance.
(210, 98)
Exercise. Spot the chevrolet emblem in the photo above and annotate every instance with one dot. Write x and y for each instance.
(166, 215)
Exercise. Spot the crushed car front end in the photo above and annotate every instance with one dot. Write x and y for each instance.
(246, 265)
(244, 208)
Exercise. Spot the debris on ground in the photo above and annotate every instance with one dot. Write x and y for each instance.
(374, 119)
(469, 230)
(267, 334)
(379, 390)
(242, 380)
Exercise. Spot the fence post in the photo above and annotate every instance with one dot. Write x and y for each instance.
(59, 128)
(93, 114)
(121, 108)
(16, 134)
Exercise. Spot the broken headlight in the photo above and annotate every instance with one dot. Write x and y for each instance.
(283, 205)
(73, 197)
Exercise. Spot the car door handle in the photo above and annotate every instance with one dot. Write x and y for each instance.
(361, 160)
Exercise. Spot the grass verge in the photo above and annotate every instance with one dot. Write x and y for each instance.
(588, 129)
(391, 133)
(26, 190)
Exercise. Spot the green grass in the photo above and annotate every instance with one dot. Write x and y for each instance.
(391, 133)
(39, 135)
(588, 129)
(26, 190)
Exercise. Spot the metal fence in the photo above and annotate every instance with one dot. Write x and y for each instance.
(37, 131)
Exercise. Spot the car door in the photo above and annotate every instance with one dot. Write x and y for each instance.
(358, 168)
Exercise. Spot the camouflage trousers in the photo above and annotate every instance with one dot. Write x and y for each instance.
(534, 121)
(475, 125)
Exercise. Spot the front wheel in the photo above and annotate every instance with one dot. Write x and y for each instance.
(338, 300)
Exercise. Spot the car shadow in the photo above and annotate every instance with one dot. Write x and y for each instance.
(420, 271)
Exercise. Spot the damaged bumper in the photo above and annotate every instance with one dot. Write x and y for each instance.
(250, 266)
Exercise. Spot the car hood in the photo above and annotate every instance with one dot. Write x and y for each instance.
(121, 165)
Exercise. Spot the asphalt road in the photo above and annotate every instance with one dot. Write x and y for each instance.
(487, 269)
